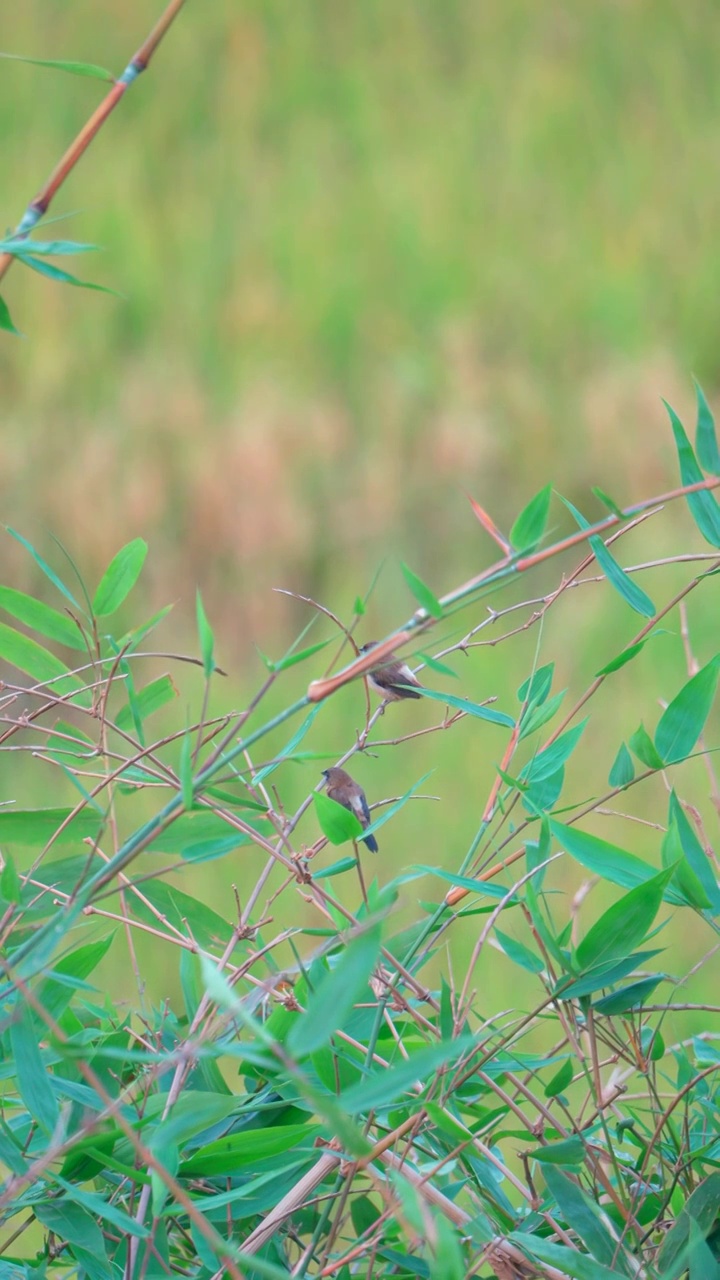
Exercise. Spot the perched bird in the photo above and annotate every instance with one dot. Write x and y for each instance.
(342, 788)
(390, 675)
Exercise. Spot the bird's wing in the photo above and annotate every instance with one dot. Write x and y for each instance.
(360, 807)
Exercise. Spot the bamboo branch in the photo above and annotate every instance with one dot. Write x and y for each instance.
(139, 63)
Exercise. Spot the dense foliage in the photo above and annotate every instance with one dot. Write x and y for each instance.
(330, 1098)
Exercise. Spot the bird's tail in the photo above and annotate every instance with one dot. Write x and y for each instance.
(371, 843)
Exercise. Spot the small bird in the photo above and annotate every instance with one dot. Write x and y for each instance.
(342, 788)
(390, 676)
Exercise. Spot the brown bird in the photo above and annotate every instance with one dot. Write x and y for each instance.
(390, 676)
(342, 788)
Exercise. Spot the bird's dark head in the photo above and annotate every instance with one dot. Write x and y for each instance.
(368, 645)
(336, 777)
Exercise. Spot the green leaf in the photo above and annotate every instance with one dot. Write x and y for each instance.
(701, 1208)
(536, 688)
(37, 662)
(52, 272)
(147, 700)
(530, 525)
(694, 852)
(392, 809)
(623, 769)
(624, 925)
(54, 994)
(42, 564)
(119, 578)
(382, 1087)
(463, 882)
(519, 953)
(433, 664)
(470, 708)
(631, 593)
(49, 248)
(547, 763)
(73, 68)
(567, 1151)
(560, 1080)
(291, 659)
(683, 720)
(538, 715)
(335, 869)
(41, 617)
(644, 748)
(626, 656)
(183, 911)
(332, 1002)
(630, 997)
(6, 320)
(608, 502)
(602, 858)
(238, 1150)
(583, 1216)
(603, 975)
(422, 593)
(703, 507)
(706, 445)
(193, 828)
(102, 1208)
(566, 1261)
(685, 880)
(359, 607)
(207, 639)
(32, 1078)
(625, 586)
(10, 887)
(337, 823)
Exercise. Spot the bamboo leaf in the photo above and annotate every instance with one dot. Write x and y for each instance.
(547, 763)
(32, 1078)
(624, 925)
(119, 578)
(422, 593)
(561, 1079)
(6, 323)
(643, 747)
(207, 639)
(683, 720)
(35, 827)
(151, 698)
(332, 1002)
(623, 769)
(57, 64)
(61, 277)
(41, 617)
(37, 662)
(392, 809)
(703, 507)
(706, 445)
(631, 593)
(530, 525)
(470, 708)
(42, 564)
(337, 823)
(630, 997)
(626, 656)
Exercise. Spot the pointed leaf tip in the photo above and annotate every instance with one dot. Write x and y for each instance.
(530, 525)
(207, 639)
(119, 578)
(706, 444)
(422, 593)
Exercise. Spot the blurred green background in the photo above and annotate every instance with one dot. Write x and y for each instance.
(371, 257)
